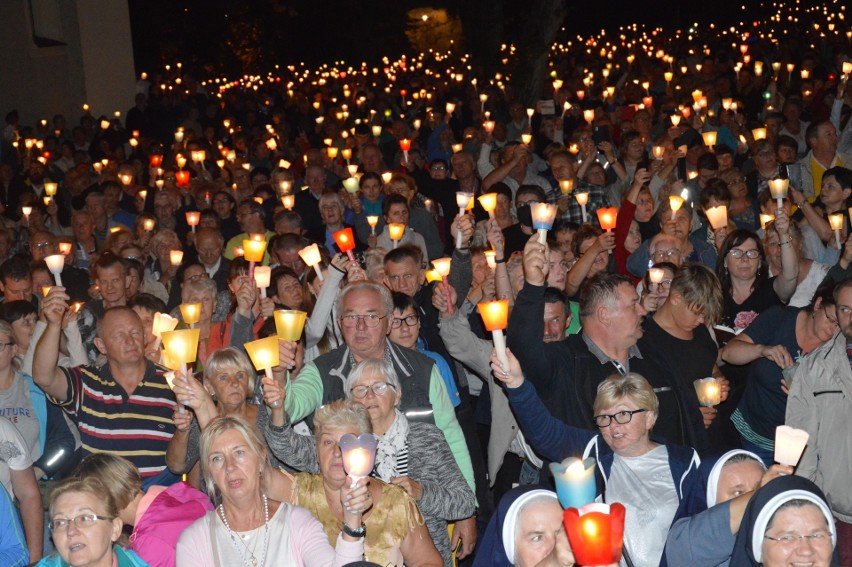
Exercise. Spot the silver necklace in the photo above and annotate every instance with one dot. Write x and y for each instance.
(250, 561)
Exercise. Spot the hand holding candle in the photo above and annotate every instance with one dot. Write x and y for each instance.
(345, 240)
(836, 222)
(264, 355)
(462, 200)
(359, 454)
(543, 215)
(180, 348)
(607, 218)
(442, 266)
(395, 232)
(790, 443)
(582, 198)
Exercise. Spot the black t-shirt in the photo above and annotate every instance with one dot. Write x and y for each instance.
(740, 316)
(515, 239)
(690, 359)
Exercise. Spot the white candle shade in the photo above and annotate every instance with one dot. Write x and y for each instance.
(789, 444)
(709, 392)
(717, 216)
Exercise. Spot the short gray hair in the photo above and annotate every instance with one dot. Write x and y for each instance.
(340, 414)
(379, 289)
(199, 285)
(382, 367)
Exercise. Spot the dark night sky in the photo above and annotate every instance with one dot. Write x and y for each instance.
(285, 31)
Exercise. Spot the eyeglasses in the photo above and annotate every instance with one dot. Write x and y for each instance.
(4, 345)
(666, 253)
(621, 417)
(793, 539)
(83, 521)
(197, 277)
(409, 321)
(371, 320)
(41, 245)
(379, 389)
(750, 254)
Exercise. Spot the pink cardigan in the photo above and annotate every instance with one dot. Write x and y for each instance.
(309, 545)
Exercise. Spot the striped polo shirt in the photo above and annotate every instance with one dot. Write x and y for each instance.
(137, 427)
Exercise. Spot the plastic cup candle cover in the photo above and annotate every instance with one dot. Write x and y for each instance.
(351, 185)
(156, 160)
(182, 178)
(55, 263)
(765, 220)
(836, 222)
(345, 241)
(373, 220)
(709, 139)
(655, 275)
(311, 256)
(675, 202)
(589, 116)
(789, 444)
(149, 224)
(442, 266)
(489, 203)
(50, 188)
(289, 324)
(759, 133)
(575, 481)
(778, 190)
(405, 145)
(462, 200)
(709, 392)
(582, 199)
(193, 218)
(190, 313)
(495, 316)
(543, 215)
(288, 201)
(176, 257)
(396, 231)
(262, 278)
(491, 258)
(717, 216)
(566, 186)
(253, 251)
(658, 152)
(359, 455)
(264, 355)
(181, 348)
(27, 211)
(433, 276)
(143, 194)
(596, 533)
(65, 248)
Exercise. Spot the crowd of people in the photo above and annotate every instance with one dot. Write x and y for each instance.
(699, 229)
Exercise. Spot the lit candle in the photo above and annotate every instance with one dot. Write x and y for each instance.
(589, 116)
(182, 177)
(789, 444)
(264, 355)
(181, 348)
(65, 248)
(351, 185)
(582, 198)
(543, 215)
(262, 278)
(765, 220)
(27, 211)
(55, 263)
(253, 251)
(658, 152)
(396, 231)
(433, 276)
(193, 218)
(526, 139)
(778, 190)
(442, 266)
(836, 222)
(405, 145)
(709, 139)
(655, 275)
(358, 454)
(675, 202)
(373, 220)
(142, 194)
(566, 186)
(289, 324)
(162, 323)
(156, 160)
(462, 200)
(190, 313)
(575, 482)
(596, 533)
(311, 257)
(149, 224)
(759, 133)
(495, 316)
(489, 203)
(709, 392)
(50, 188)
(717, 217)
(491, 258)
(345, 240)
(288, 201)
(176, 257)
(45, 290)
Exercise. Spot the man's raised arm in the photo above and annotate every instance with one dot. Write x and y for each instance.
(46, 373)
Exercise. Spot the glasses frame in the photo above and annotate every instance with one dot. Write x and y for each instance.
(378, 389)
(738, 253)
(614, 416)
(371, 320)
(65, 523)
(410, 321)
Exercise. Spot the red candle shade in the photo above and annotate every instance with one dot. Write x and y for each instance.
(648, 101)
(182, 177)
(606, 218)
(156, 160)
(405, 144)
(596, 533)
(345, 241)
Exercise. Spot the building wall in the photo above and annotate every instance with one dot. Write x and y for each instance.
(59, 54)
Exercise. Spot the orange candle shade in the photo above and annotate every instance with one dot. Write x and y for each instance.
(395, 231)
(176, 257)
(372, 220)
(45, 290)
(182, 178)
(193, 218)
(759, 133)
(566, 186)
(709, 139)
(190, 313)
(289, 324)
(156, 160)
(658, 152)
(596, 533)
(495, 314)
(143, 194)
(254, 250)
(778, 189)
(149, 224)
(50, 188)
(405, 144)
(65, 247)
(288, 201)
(489, 203)
(345, 240)
(606, 217)
(433, 276)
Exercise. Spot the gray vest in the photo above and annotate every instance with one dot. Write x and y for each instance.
(413, 369)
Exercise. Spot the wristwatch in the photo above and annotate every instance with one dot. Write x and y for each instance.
(360, 532)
